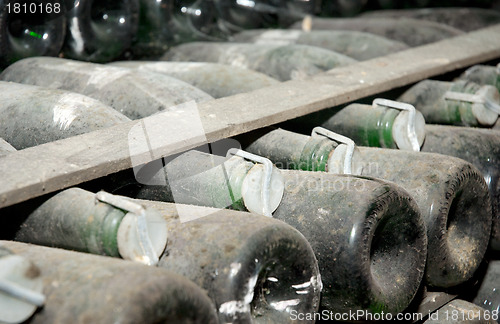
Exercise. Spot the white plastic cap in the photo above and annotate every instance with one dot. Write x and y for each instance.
(400, 130)
(485, 116)
(129, 244)
(252, 188)
(19, 273)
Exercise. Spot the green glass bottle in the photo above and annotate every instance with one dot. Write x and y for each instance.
(382, 124)
(76, 219)
(88, 288)
(451, 193)
(460, 103)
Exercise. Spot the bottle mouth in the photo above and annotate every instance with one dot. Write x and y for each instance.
(33, 34)
(280, 276)
(466, 236)
(466, 223)
(397, 257)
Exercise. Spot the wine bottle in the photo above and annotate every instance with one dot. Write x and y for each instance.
(460, 103)
(100, 31)
(82, 287)
(282, 62)
(218, 80)
(24, 34)
(374, 125)
(20, 287)
(365, 233)
(450, 193)
(235, 16)
(412, 32)
(480, 147)
(134, 94)
(461, 311)
(154, 33)
(260, 269)
(483, 75)
(465, 19)
(5, 148)
(76, 219)
(196, 20)
(33, 115)
(357, 45)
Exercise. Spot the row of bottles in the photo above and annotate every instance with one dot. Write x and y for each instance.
(101, 31)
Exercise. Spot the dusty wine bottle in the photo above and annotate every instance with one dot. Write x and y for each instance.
(466, 19)
(480, 147)
(218, 80)
(460, 103)
(258, 270)
(282, 62)
(32, 115)
(100, 31)
(20, 287)
(483, 75)
(82, 287)
(412, 32)
(385, 123)
(461, 311)
(25, 34)
(450, 193)
(79, 220)
(134, 94)
(358, 45)
(374, 232)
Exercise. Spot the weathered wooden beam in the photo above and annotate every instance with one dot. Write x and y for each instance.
(46, 168)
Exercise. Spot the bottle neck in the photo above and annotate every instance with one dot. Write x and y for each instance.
(377, 128)
(315, 155)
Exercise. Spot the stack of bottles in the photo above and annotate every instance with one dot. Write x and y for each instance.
(100, 31)
(364, 208)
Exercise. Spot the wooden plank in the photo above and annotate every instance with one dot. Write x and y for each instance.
(46, 168)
